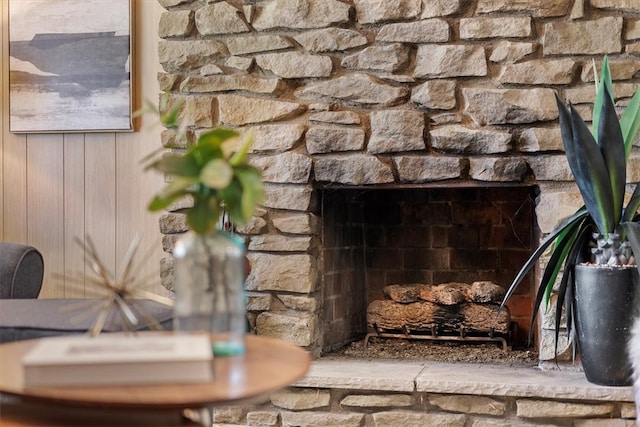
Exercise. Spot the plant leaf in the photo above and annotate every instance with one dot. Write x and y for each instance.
(588, 167)
(232, 197)
(533, 259)
(204, 214)
(632, 229)
(252, 189)
(632, 205)
(566, 237)
(567, 282)
(605, 81)
(613, 151)
(178, 165)
(216, 174)
(630, 122)
(240, 156)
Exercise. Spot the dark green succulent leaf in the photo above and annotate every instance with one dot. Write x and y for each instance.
(604, 81)
(560, 251)
(590, 172)
(567, 283)
(613, 152)
(533, 259)
(632, 206)
(565, 239)
(204, 214)
(630, 122)
(632, 230)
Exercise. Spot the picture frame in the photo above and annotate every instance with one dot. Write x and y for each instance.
(70, 66)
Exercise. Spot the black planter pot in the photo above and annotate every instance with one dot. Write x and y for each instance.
(605, 311)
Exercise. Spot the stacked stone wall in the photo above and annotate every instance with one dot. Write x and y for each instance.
(358, 408)
(371, 92)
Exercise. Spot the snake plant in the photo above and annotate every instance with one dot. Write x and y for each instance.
(598, 161)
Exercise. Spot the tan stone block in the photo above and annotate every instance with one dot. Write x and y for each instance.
(301, 399)
(280, 243)
(292, 273)
(386, 58)
(604, 423)
(559, 71)
(219, 18)
(296, 223)
(289, 197)
(402, 418)
(262, 418)
(469, 404)
(554, 409)
(236, 110)
(497, 169)
(425, 31)
(441, 61)
(178, 23)
(293, 65)
(535, 7)
(427, 169)
(501, 27)
(331, 39)
(372, 11)
(377, 400)
(356, 88)
(320, 419)
(275, 137)
(300, 14)
(289, 167)
(628, 410)
(510, 106)
(300, 329)
(299, 303)
(595, 37)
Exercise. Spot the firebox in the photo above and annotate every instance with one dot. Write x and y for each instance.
(372, 238)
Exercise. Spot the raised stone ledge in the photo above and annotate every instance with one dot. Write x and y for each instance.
(459, 378)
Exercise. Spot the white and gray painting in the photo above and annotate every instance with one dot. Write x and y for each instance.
(69, 65)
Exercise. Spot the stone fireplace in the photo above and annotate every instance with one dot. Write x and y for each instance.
(375, 238)
(413, 133)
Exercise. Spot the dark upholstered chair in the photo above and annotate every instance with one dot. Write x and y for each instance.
(21, 271)
(24, 316)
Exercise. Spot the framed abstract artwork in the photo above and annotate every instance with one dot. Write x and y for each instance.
(70, 66)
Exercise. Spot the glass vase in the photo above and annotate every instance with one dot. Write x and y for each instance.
(209, 274)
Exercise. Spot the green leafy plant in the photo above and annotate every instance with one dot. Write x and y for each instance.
(598, 160)
(213, 171)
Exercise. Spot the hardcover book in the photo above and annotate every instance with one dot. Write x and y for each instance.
(115, 359)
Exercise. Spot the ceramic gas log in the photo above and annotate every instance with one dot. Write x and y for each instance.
(450, 308)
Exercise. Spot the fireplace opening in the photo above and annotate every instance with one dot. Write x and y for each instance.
(374, 238)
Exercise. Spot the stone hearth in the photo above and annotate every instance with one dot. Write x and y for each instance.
(390, 394)
(364, 94)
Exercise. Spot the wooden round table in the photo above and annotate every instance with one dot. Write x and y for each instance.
(268, 365)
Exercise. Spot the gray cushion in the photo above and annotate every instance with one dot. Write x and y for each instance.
(27, 319)
(21, 271)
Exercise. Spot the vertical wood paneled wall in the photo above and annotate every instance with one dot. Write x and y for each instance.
(58, 187)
